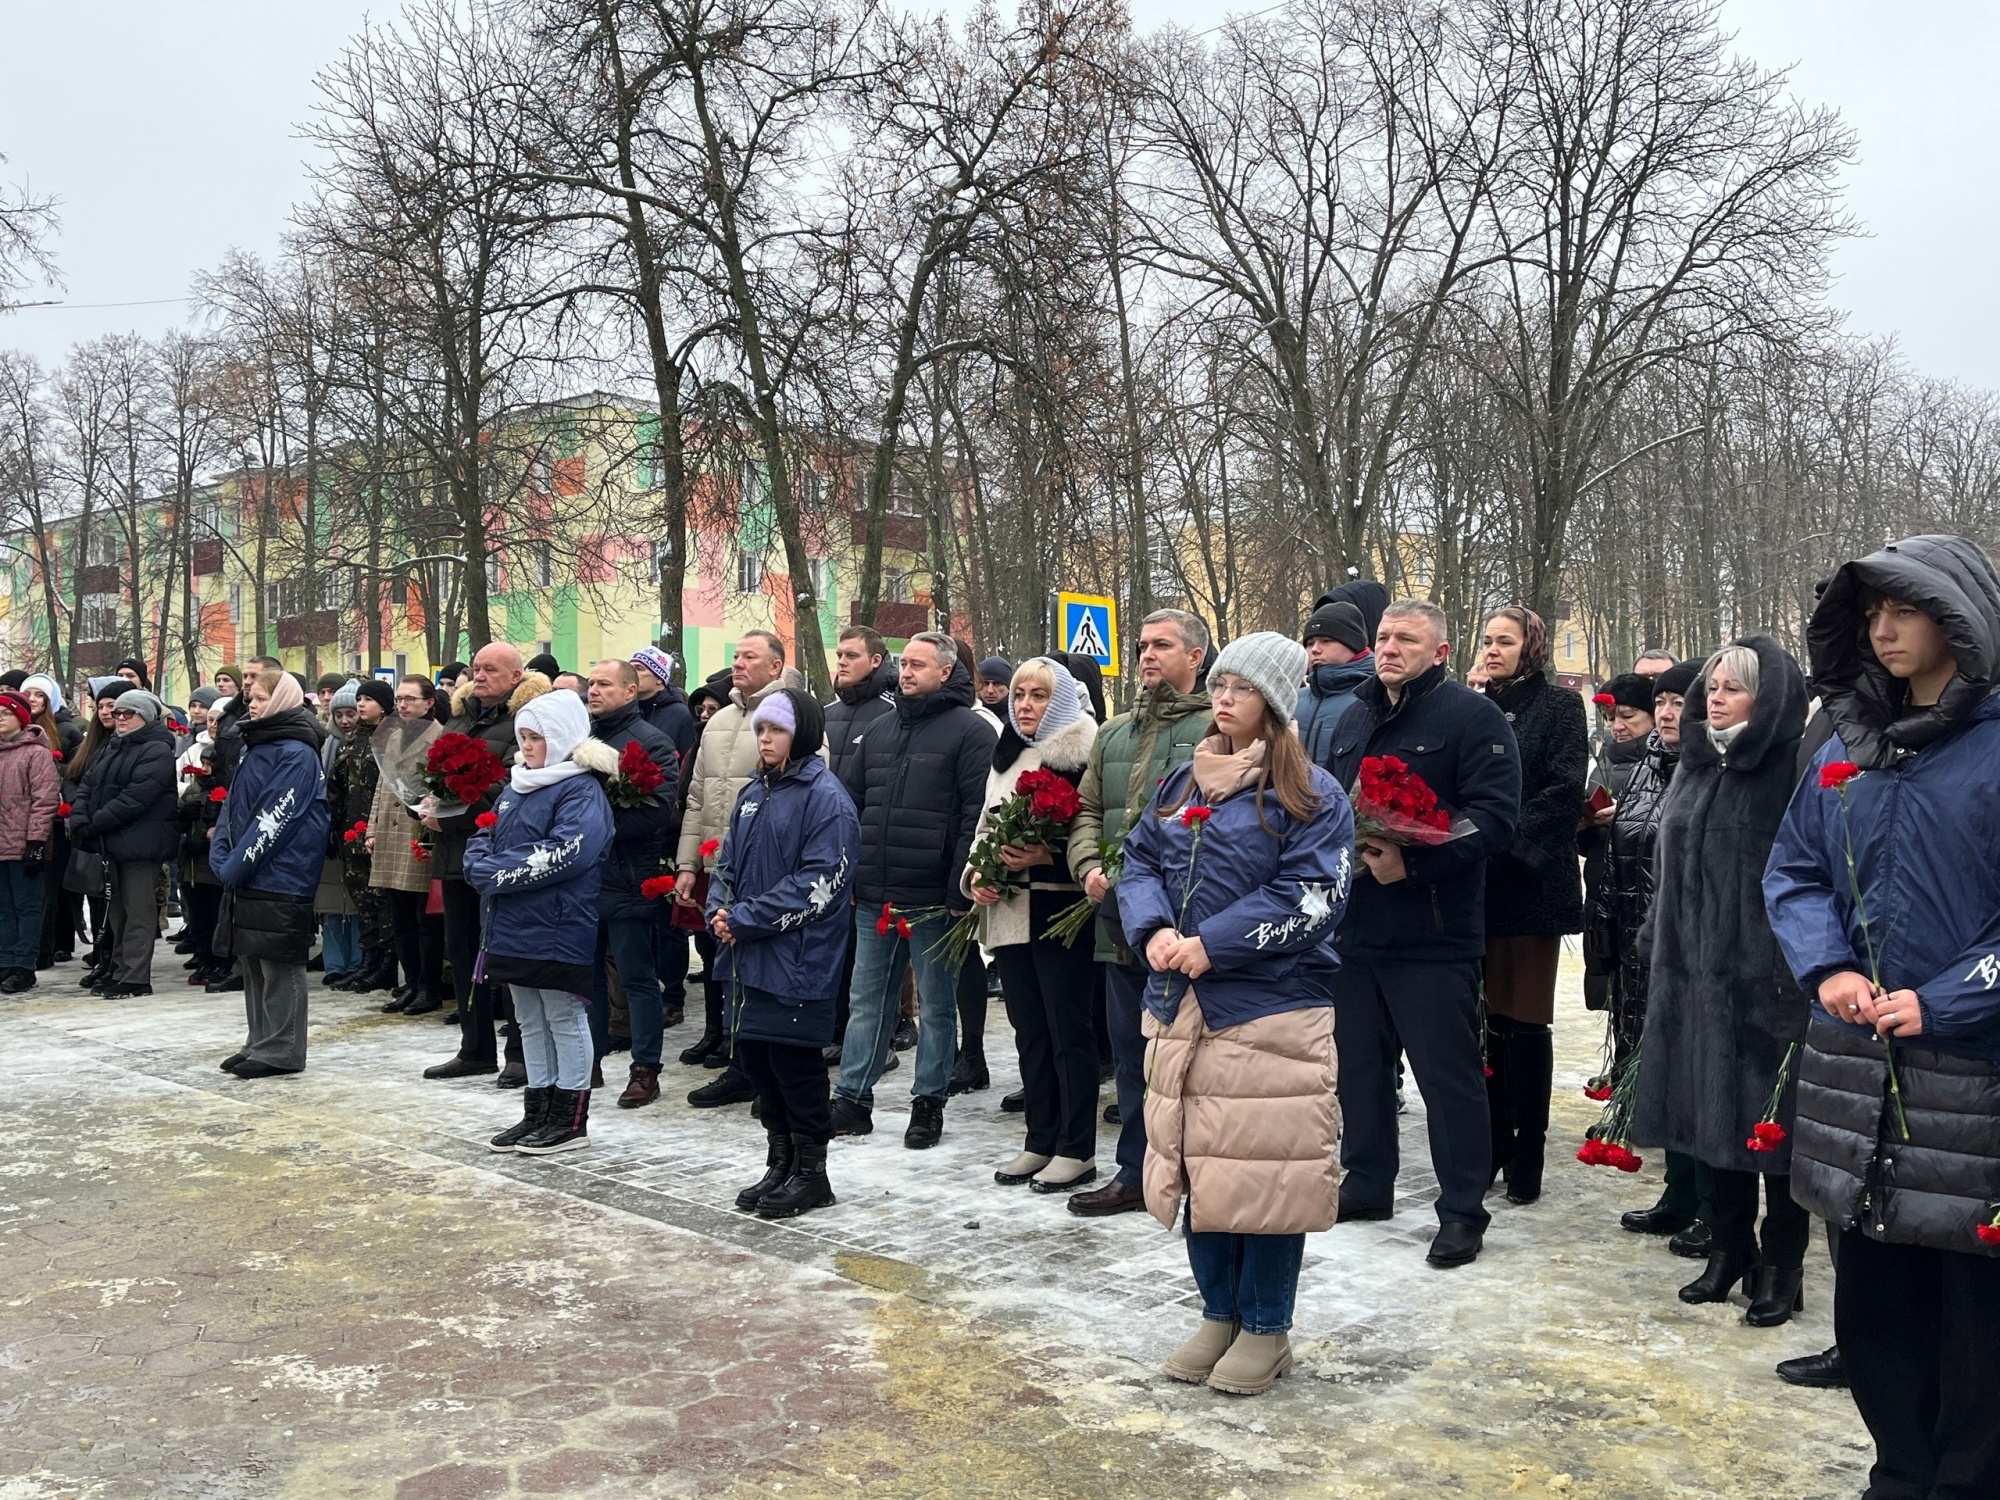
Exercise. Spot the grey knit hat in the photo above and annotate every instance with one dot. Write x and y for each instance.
(347, 696)
(1271, 663)
(205, 696)
(141, 702)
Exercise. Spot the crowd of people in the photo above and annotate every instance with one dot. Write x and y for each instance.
(1292, 871)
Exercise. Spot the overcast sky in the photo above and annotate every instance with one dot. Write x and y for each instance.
(167, 129)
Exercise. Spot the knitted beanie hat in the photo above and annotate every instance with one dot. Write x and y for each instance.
(1271, 663)
(656, 661)
(348, 695)
(141, 702)
(1338, 621)
(1680, 678)
(1626, 690)
(376, 691)
(16, 705)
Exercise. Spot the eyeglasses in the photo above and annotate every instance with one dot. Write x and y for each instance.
(124, 713)
(1228, 686)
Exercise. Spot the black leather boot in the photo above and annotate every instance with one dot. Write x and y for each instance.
(807, 1187)
(969, 1073)
(1499, 1112)
(1530, 1074)
(1725, 1269)
(711, 1042)
(535, 1105)
(1822, 1372)
(1775, 1294)
(567, 1127)
(778, 1158)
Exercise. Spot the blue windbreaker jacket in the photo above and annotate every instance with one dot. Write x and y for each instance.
(786, 874)
(1926, 842)
(271, 834)
(1328, 694)
(539, 868)
(1264, 902)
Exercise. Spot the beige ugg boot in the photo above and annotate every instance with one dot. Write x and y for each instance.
(1021, 1168)
(1194, 1359)
(1064, 1174)
(1253, 1364)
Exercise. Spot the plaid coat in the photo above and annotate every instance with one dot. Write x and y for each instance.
(393, 867)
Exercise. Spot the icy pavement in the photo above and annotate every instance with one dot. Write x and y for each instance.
(326, 1285)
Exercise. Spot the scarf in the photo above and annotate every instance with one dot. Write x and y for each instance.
(1722, 739)
(1534, 646)
(1065, 704)
(1220, 772)
(562, 720)
(287, 694)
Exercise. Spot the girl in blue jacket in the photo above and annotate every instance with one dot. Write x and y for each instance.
(779, 908)
(537, 870)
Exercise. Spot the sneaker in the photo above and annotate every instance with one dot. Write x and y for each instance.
(926, 1123)
(905, 1037)
(850, 1118)
(731, 1087)
(567, 1129)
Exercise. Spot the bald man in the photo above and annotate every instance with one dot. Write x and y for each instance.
(483, 707)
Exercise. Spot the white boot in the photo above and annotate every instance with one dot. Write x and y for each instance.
(1021, 1168)
(1064, 1174)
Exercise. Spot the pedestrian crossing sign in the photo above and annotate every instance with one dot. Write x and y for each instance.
(1090, 628)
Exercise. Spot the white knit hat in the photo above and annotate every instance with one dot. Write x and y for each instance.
(1271, 663)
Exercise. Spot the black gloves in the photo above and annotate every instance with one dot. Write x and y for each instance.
(31, 857)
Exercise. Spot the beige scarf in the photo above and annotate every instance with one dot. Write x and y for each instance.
(1221, 772)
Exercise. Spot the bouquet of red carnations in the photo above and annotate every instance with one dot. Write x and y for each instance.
(1394, 805)
(458, 771)
(638, 781)
(1608, 1142)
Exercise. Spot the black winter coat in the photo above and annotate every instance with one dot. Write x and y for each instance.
(1612, 770)
(1534, 888)
(918, 778)
(853, 709)
(1462, 745)
(667, 711)
(643, 836)
(1720, 1007)
(1625, 895)
(124, 807)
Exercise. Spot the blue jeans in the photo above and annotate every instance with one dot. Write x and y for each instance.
(1124, 996)
(872, 1005)
(20, 916)
(670, 957)
(629, 941)
(340, 943)
(1251, 1279)
(555, 1037)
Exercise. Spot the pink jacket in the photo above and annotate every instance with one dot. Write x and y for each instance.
(29, 792)
(1243, 1122)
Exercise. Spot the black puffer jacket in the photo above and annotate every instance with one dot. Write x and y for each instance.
(124, 807)
(642, 845)
(917, 778)
(1720, 1007)
(1612, 770)
(853, 709)
(1463, 747)
(1534, 887)
(1625, 895)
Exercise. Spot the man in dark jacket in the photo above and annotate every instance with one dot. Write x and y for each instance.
(864, 689)
(639, 851)
(917, 781)
(483, 708)
(665, 707)
(1415, 930)
(124, 809)
(1338, 662)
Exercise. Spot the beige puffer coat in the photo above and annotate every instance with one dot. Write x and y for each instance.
(723, 766)
(1243, 1122)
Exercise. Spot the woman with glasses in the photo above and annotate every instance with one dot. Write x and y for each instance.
(124, 810)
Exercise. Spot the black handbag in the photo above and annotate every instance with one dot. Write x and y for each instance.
(264, 924)
(87, 873)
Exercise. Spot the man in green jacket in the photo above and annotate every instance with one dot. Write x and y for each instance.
(1133, 753)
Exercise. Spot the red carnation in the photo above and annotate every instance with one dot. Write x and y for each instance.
(637, 767)
(1624, 1158)
(350, 836)
(655, 887)
(360, 825)
(1835, 774)
(1766, 1135)
(55, 752)
(63, 809)
(709, 848)
(218, 795)
(887, 920)
(1597, 1091)
(1989, 1234)
(1195, 814)
(419, 852)
(1604, 700)
(903, 928)
(1591, 1153)
(486, 820)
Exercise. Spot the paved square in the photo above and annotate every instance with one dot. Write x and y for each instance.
(327, 1286)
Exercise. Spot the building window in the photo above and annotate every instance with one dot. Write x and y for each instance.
(493, 570)
(332, 583)
(100, 617)
(895, 586)
(402, 663)
(656, 562)
(541, 472)
(208, 519)
(544, 565)
(236, 604)
(104, 548)
(819, 573)
(749, 572)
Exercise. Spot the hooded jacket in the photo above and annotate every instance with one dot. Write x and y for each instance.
(722, 767)
(1624, 895)
(785, 875)
(1329, 692)
(917, 779)
(667, 711)
(639, 846)
(29, 792)
(1460, 742)
(1923, 821)
(124, 805)
(1532, 886)
(853, 709)
(538, 871)
(493, 723)
(1720, 1010)
(271, 833)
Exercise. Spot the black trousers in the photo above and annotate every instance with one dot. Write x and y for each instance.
(1049, 988)
(418, 936)
(1787, 1227)
(1383, 1007)
(793, 1096)
(477, 1003)
(204, 907)
(1919, 1333)
(971, 1004)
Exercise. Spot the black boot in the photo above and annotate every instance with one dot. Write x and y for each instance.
(1776, 1293)
(1499, 1111)
(423, 1000)
(969, 1074)
(1530, 1074)
(807, 1187)
(535, 1105)
(1822, 1372)
(711, 1041)
(567, 1127)
(1725, 1269)
(733, 1087)
(778, 1157)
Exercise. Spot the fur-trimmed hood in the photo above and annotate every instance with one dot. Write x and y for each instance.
(531, 686)
(595, 755)
(1068, 749)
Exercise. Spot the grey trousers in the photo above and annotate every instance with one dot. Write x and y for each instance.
(274, 1004)
(134, 918)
